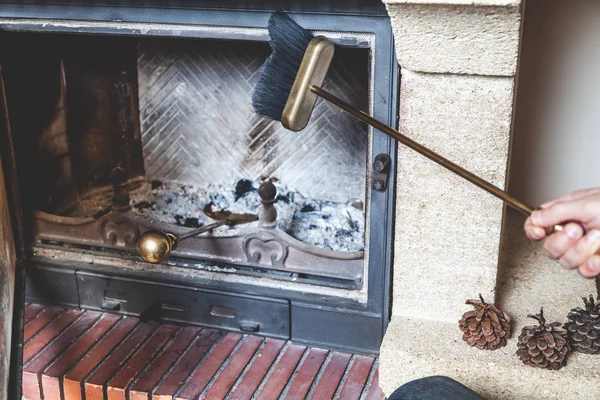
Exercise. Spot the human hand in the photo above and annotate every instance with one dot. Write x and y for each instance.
(572, 247)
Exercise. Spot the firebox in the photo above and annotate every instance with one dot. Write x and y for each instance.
(129, 118)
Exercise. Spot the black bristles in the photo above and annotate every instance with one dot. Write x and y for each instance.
(288, 44)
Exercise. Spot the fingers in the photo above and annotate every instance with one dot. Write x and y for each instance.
(579, 194)
(590, 268)
(534, 232)
(581, 254)
(575, 210)
(572, 246)
(557, 244)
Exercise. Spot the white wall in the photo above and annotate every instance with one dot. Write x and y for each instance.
(556, 143)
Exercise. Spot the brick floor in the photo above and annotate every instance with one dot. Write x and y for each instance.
(85, 355)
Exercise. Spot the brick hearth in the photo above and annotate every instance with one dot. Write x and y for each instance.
(74, 354)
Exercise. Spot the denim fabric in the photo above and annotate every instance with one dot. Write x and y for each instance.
(434, 388)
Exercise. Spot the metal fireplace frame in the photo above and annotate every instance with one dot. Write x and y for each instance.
(318, 319)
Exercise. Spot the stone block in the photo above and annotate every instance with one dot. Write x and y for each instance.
(506, 3)
(458, 39)
(448, 230)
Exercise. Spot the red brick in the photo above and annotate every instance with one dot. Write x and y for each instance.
(357, 377)
(73, 381)
(52, 376)
(31, 311)
(185, 365)
(332, 376)
(47, 316)
(209, 367)
(306, 374)
(32, 372)
(117, 386)
(282, 372)
(48, 331)
(374, 392)
(234, 368)
(257, 370)
(159, 367)
(119, 357)
(94, 385)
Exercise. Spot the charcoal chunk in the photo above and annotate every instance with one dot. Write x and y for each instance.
(142, 205)
(179, 219)
(191, 223)
(156, 184)
(188, 222)
(243, 187)
(343, 233)
(102, 213)
(285, 199)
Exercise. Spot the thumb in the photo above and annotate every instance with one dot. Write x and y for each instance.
(560, 212)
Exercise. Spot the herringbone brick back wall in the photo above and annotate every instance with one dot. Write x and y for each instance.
(198, 126)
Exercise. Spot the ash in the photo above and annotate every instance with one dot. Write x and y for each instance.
(325, 224)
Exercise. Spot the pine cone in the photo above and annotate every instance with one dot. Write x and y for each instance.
(583, 327)
(545, 345)
(487, 327)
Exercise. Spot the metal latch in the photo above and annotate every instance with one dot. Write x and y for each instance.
(381, 168)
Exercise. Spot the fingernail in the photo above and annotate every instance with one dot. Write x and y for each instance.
(595, 264)
(573, 231)
(538, 232)
(594, 235)
(564, 264)
(536, 217)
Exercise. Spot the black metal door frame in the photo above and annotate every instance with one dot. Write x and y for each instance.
(311, 318)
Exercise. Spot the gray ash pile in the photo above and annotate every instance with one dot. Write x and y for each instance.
(325, 224)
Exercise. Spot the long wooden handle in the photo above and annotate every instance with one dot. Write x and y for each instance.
(444, 162)
(394, 134)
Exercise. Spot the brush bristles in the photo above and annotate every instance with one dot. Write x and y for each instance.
(288, 45)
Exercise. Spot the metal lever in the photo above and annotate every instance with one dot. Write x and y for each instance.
(155, 246)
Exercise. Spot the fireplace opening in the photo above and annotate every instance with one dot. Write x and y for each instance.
(201, 143)
(174, 117)
(121, 128)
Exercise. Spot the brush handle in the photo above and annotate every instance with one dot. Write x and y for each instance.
(444, 162)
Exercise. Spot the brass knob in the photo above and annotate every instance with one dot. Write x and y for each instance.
(155, 246)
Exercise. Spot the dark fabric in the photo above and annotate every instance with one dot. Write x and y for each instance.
(434, 388)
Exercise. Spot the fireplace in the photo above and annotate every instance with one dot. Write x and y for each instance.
(126, 119)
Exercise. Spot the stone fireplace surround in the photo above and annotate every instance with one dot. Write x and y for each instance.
(458, 62)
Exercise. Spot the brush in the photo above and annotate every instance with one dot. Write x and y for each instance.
(292, 78)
